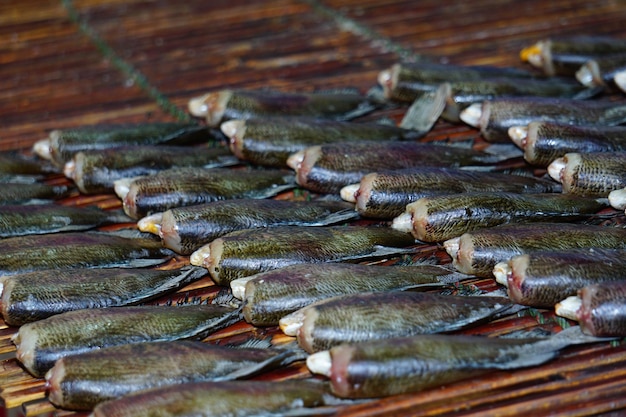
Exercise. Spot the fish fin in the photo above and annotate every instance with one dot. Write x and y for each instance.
(504, 150)
(337, 217)
(426, 109)
(529, 359)
(379, 251)
(143, 263)
(223, 161)
(589, 93)
(385, 121)
(225, 297)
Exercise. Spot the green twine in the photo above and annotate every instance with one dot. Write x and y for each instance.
(131, 72)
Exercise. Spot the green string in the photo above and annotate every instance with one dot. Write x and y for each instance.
(131, 72)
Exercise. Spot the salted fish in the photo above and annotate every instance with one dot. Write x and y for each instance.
(78, 250)
(479, 251)
(543, 142)
(328, 168)
(221, 105)
(221, 399)
(179, 187)
(385, 195)
(41, 343)
(268, 296)
(543, 278)
(599, 308)
(36, 295)
(405, 365)
(269, 141)
(94, 171)
(495, 117)
(20, 220)
(63, 143)
(355, 318)
(186, 229)
(27, 193)
(439, 218)
(590, 174)
(603, 71)
(250, 251)
(80, 382)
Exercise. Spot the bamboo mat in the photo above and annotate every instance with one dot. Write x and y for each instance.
(69, 63)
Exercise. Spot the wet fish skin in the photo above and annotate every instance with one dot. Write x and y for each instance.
(78, 250)
(328, 168)
(20, 220)
(590, 174)
(186, 229)
(224, 398)
(439, 218)
(94, 171)
(270, 295)
(546, 141)
(385, 195)
(40, 344)
(63, 143)
(229, 104)
(20, 193)
(80, 382)
(602, 312)
(179, 187)
(250, 251)
(269, 141)
(355, 318)
(542, 279)
(405, 365)
(37, 295)
(479, 251)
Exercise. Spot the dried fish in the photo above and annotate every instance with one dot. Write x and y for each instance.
(601, 71)
(479, 251)
(269, 141)
(495, 117)
(250, 251)
(178, 187)
(600, 309)
(220, 399)
(229, 104)
(270, 295)
(564, 55)
(408, 80)
(77, 250)
(95, 171)
(385, 195)
(41, 343)
(543, 142)
(328, 168)
(543, 278)
(20, 220)
(186, 229)
(360, 317)
(590, 174)
(406, 365)
(62, 144)
(15, 167)
(80, 382)
(20, 193)
(439, 218)
(36, 295)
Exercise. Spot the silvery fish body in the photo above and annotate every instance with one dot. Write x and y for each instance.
(269, 141)
(179, 187)
(20, 193)
(479, 251)
(250, 251)
(77, 250)
(36, 295)
(63, 143)
(80, 382)
(590, 174)
(386, 194)
(41, 343)
(541, 279)
(328, 168)
(439, 218)
(603, 309)
(220, 399)
(20, 220)
(95, 171)
(270, 295)
(185, 229)
(355, 318)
